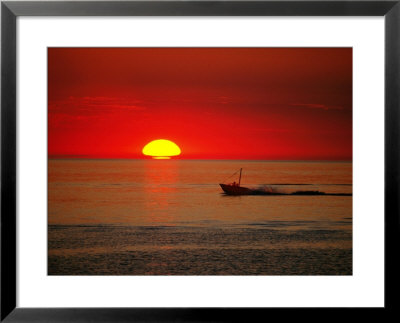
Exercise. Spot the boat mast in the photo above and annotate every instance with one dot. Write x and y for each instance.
(240, 176)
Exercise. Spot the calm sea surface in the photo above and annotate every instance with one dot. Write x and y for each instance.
(169, 217)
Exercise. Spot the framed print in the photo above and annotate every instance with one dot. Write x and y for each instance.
(162, 158)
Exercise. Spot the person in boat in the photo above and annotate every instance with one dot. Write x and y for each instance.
(234, 184)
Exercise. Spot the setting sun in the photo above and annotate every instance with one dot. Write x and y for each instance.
(161, 149)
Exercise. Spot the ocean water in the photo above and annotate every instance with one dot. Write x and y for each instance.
(170, 217)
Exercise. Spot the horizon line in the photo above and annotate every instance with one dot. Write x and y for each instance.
(198, 159)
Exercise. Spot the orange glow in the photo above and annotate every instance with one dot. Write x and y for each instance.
(216, 103)
(161, 149)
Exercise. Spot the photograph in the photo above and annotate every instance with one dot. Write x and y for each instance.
(200, 161)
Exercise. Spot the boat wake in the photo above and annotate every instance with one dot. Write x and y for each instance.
(236, 189)
(275, 192)
(268, 190)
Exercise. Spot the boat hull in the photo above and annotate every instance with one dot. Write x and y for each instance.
(236, 190)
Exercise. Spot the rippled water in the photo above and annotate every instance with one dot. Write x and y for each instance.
(169, 217)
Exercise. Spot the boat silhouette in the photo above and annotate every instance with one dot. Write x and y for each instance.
(235, 188)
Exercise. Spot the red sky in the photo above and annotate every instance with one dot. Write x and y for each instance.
(215, 103)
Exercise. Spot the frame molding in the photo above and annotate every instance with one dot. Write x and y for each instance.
(10, 10)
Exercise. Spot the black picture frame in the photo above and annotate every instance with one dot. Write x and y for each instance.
(10, 10)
